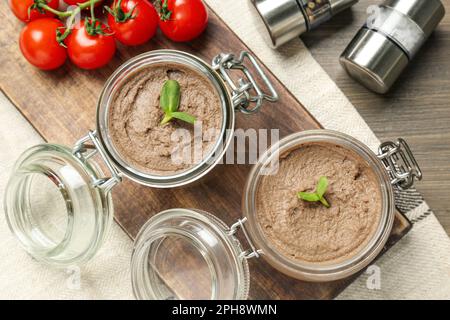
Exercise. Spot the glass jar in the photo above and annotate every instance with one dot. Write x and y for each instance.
(246, 96)
(58, 200)
(189, 254)
(393, 166)
(54, 209)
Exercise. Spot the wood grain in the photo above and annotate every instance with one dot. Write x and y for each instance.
(417, 108)
(61, 106)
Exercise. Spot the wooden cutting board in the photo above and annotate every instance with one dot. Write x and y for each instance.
(61, 106)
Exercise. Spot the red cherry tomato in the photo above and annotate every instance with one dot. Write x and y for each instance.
(90, 51)
(20, 9)
(188, 19)
(139, 27)
(39, 45)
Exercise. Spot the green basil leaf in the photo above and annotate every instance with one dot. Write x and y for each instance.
(322, 186)
(184, 117)
(310, 197)
(170, 96)
(324, 202)
(167, 118)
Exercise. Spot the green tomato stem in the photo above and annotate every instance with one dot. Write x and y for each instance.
(58, 13)
(68, 30)
(66, 14)
(87, 4)
(92, 10)
(164, 12)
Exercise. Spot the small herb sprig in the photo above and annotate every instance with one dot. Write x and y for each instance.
(318, 195)
(170, 102)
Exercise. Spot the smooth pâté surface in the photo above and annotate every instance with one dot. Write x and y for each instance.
(135, 118)
(308, 231)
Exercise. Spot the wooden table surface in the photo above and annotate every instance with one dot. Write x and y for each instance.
(417, 108)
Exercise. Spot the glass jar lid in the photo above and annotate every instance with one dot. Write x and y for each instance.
(188, 254)
(53, 207)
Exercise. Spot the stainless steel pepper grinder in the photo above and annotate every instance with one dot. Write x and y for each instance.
(285, 20)
(394, 32)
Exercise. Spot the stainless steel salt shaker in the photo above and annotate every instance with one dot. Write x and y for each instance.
(393, 34)
(285, 20)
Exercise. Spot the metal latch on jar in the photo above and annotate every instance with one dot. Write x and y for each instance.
(85, 151)
(252, 252)
(242, 89)
(400, 163)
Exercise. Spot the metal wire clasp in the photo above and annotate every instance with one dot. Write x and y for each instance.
(400, 163)
(245, 91)
(252, 252)
(84, 151)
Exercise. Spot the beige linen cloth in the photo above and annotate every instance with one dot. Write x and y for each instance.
(418, 267)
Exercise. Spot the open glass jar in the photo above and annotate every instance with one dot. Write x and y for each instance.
(190, 254)
(58, 200)
(245, 95)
